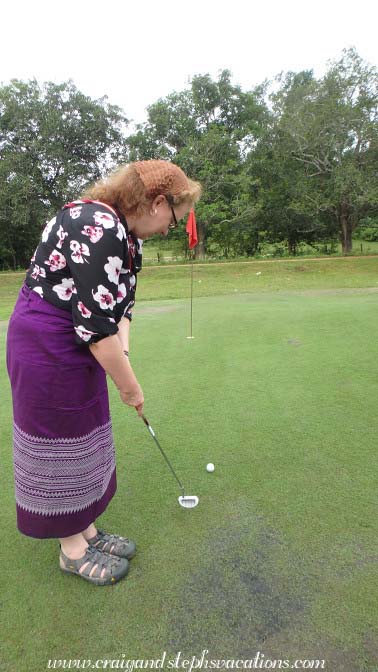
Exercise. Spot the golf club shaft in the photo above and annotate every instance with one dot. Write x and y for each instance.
(163, 453)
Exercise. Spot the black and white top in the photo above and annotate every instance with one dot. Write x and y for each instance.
(87, 263)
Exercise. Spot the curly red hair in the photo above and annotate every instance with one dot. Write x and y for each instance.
(132, 187)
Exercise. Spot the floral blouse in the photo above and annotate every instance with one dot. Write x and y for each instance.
(87, 263)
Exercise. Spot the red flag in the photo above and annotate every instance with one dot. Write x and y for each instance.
(191, 229)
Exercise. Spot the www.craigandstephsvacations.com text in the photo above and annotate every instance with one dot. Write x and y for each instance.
(258, 662)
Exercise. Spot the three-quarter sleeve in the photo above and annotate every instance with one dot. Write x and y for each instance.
(95, 249)
(128, 278)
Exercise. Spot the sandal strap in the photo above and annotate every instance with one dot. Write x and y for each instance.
(92, 557)
(116, 537)
(104, 541)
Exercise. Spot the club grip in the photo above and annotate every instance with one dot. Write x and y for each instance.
(148, 425)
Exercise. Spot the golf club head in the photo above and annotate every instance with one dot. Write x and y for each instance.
(188, 502)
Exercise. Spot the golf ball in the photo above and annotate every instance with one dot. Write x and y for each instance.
(210, 467)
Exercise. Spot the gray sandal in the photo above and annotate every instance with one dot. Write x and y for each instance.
(116, 568)
(113, 544)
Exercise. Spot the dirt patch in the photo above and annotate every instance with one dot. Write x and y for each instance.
(371, 648)
(248, 594)
(294, 342)
(242, 600)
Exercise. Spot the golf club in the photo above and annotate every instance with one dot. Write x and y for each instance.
(186, 501)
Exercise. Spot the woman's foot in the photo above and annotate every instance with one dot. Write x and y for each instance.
(75, 548)
(99, 568)
(113, 544)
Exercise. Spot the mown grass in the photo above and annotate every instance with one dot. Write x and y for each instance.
(278, 389)
(173, 282)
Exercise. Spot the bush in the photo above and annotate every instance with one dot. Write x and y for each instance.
(367, 229)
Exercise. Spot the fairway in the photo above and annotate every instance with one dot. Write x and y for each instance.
(279, 390)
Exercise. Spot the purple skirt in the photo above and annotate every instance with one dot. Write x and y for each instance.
(64, 459)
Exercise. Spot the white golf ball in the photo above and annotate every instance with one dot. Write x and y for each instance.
(210, 467)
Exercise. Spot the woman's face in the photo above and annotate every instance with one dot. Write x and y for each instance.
(158, 219)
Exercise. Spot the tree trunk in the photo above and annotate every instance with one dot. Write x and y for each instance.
(292, 247)
(199, 250)
(346, 227)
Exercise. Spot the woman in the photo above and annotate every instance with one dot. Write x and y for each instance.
(69, 328)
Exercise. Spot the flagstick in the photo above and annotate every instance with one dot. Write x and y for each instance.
(191, 229)
(191, 302)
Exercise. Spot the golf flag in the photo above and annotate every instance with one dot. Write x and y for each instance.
(191, 229)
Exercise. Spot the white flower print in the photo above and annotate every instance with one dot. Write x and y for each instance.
(75, 212)
(132, 281)
(47, 229)
(85, 334)
(33, 257)
(94, 233)
(140, 245)
(129, 305)
(111, 319)
(65, 289)
(37, 271)
(61, 235)
(39, 291)
(104, 297)
(121, 233)
(104, 219)
(78, 250)
(56, 261)
(121, 292)
(113, 269)
(83, 309)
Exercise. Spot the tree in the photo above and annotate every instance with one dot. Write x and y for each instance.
(284, 194)
(206, 130)
(53, 141)
(330, 128)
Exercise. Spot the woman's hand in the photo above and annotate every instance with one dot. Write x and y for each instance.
(133, 397)
(108, 352)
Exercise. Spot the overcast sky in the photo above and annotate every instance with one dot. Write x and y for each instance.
(138, 52)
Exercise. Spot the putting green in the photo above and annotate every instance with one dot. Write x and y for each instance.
(279, 391)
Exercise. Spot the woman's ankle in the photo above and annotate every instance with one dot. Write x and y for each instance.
(74, 547)
(90, 532)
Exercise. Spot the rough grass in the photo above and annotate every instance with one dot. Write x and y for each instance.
(278, 389)
(169, 249)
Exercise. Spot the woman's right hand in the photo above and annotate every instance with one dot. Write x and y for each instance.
(108, 352)
(133, 397)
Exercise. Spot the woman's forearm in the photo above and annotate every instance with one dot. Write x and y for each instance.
(123, 333)
(109, 353)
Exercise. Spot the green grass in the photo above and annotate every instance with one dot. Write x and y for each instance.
(173, 282)
(279, 390)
